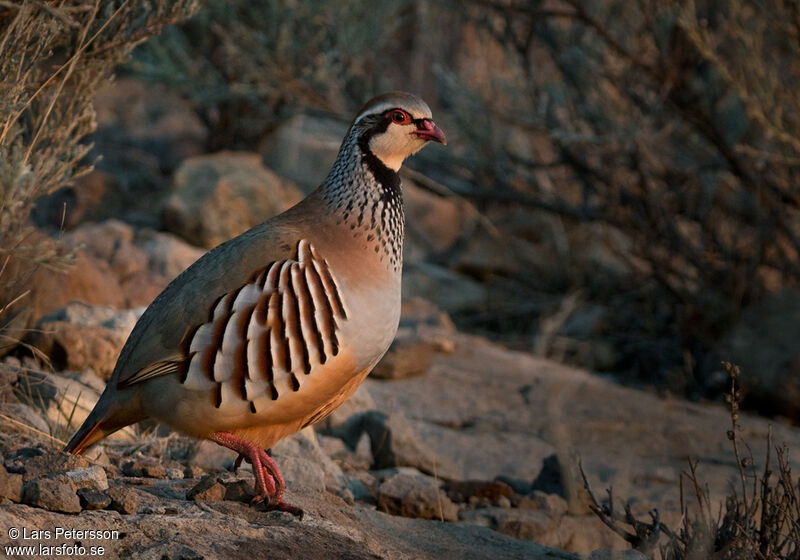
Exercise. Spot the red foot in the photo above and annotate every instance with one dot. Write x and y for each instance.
(269, 482)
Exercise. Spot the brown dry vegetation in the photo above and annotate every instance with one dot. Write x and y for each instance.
(55, 56)
(761, 517)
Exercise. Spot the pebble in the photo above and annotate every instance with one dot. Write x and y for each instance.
(54, 494)
(93, 499)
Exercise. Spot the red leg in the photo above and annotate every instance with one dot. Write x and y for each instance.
(269, 482)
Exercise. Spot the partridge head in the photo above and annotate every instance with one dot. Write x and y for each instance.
(272, 330)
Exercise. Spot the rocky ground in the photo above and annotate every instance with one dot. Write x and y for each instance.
(455, 447)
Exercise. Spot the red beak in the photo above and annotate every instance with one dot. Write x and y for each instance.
(428, 130)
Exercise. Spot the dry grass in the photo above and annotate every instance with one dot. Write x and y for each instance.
(55, 56)
(761, 517)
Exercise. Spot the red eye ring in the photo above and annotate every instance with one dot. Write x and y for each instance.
(399, 116)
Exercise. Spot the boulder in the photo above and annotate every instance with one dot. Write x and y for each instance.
(435, 224)
(450, 291)
(348, 414)
(395, 443)
(303, 149)
(168, 255)
(415, 496)
(93, 197)
(218, 196)
(409, 355)
(109, 269)
(81, 336)
(27, 415)
(303, 463)
(763, 343)
(144, 131)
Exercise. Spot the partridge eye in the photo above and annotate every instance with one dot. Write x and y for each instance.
(400, 117)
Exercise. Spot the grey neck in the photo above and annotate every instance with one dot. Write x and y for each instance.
(365, 197)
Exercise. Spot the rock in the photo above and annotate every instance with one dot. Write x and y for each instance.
(217, 197)
(303, 463)
(76, 348)
(239, 491)
(56, 493)
(303, 149)
(394, 443)
(413, 496)
(208, 489)
(66, 396)
(95, 196)
(92, 499)
(210, 456)
(519, 486)
(364, 486)
(27, 415)
(409, 355)
(417, 312)
(121, 321)
(124, 499)
(613, 554)
(10, 485)
(763, 342)
(486, 252)
(35, 386)
(463, 490)
(529, 525)
(89, 280)
(151, 116)
(13, 328)
(174, 473)
(358, 403)
(42, 464)
(335, 448)
(451, 291)
(330, 529)
(551, 504)
(193, 471)
(144, 467)
(168, 255)
(144, 131)
(90, 478)
(435, 224)
(78, 392)
(109, 270)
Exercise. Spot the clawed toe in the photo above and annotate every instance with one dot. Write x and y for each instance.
(283, 506)
(280, 506)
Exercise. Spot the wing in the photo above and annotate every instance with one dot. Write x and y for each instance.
(262, 338)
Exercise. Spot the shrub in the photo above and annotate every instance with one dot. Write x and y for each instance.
(761, 517)
(675, 124)
(54, 58)
(243, 64)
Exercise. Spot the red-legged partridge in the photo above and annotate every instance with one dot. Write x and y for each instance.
(274, 329)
